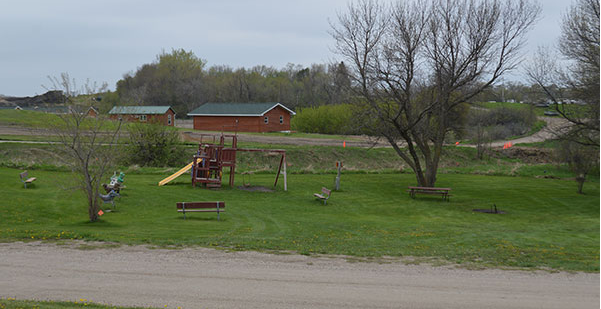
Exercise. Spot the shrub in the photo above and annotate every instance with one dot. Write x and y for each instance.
(325, 119)
(154, 144)
(501, 123)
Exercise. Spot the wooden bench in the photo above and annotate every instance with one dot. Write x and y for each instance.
(444, 192)
(185, 207)
(324, 196)
(25, 179)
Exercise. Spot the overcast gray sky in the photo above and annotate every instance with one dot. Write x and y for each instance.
(102, 40)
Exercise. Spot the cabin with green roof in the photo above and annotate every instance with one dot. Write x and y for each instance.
(161, 114)
(242, 117)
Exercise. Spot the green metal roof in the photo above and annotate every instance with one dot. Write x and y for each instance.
(236, 109)
(144, 110)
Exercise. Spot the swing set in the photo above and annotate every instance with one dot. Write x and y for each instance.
(214, 155)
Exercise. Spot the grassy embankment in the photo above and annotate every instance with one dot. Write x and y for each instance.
(315, 160)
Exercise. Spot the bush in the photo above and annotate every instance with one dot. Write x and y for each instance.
(325, 119)
(501, 123)
(154, 144)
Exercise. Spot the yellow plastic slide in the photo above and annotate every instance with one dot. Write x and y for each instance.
(178, 173)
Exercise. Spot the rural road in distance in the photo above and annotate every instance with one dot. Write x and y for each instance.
(208, 278)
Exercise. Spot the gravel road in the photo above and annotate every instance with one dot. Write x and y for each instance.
(554, 124)
(208, 278)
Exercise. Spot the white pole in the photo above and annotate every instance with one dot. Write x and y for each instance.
(285, 180)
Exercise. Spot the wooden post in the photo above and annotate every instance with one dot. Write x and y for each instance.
(277, 176)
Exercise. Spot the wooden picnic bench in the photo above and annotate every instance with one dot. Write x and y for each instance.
(444, 192)
(185, 207)
(25, 179)
(324, 195)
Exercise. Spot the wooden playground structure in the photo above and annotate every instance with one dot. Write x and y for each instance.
(214, 155)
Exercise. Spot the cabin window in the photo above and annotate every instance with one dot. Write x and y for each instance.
(266, 120)
(169, 119)
(142, 117)
(281, 119)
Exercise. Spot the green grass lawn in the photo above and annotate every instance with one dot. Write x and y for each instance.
(27, 118)
(573, 109)
(11, 303)
(547, 224)
(41, 120)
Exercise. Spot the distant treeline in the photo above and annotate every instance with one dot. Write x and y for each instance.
(182, 80)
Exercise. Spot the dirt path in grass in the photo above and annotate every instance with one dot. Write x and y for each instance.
(207, 278)
(554, 125)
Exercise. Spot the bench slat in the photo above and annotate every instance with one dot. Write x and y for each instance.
(201, 210)
(217, 206)
(429, 192)
(200, 205)
(429, 188)
(444, 192)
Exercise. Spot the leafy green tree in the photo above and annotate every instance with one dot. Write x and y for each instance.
(174, 79)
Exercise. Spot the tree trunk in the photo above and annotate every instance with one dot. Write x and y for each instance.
(92, 198)
(580, 180)
(92, 208)
(93, 214)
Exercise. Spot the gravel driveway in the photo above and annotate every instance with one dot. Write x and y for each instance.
(208, 278)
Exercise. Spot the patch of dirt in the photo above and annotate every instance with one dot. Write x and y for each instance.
(255, 189)
(489, 211)
(525, 154)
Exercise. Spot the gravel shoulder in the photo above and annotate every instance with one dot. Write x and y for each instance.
(208, 278)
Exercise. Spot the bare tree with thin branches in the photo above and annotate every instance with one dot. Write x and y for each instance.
(87, 143)
(579, 45)
(415, 64)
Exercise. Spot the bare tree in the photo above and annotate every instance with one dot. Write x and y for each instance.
(579, 44)
(87, 143)
(478, 121)
(414, 65)
(580, 158)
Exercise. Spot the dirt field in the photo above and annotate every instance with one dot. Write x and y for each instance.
(207, 278)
